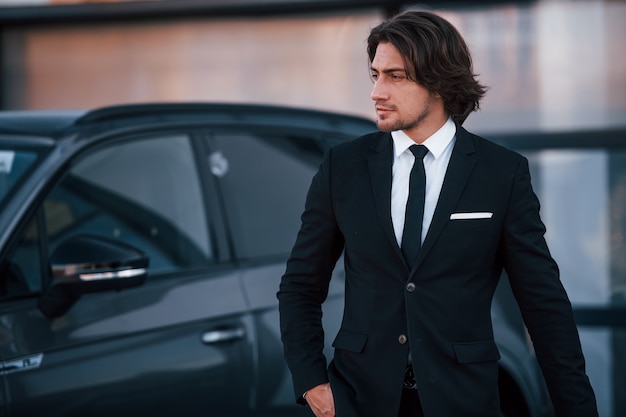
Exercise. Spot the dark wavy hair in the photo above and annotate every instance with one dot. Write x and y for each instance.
(435, 56)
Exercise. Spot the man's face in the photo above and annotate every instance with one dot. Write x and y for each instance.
(402, 104)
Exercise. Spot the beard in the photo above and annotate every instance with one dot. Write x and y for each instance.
(396, 122)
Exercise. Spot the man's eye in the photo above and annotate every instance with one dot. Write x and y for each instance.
(397, 77)
(374, 76)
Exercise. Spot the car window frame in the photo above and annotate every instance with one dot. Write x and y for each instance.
(211, 209)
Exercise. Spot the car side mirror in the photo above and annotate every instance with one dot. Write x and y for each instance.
(85, 264)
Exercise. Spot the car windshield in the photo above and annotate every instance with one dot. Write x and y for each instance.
(15, 164)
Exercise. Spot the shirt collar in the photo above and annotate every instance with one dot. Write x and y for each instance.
(436, 143)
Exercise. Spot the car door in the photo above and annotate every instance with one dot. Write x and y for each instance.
(178, 344)
(264, 188)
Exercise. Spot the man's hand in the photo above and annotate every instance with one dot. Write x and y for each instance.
(321, 401)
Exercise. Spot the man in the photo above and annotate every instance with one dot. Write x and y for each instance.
(416, 337)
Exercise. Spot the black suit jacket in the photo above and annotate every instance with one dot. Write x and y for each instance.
(445, 314)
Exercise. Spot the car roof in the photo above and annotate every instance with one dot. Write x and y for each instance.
(57, 123)
(38, 122)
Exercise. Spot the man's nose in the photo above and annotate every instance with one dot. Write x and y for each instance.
(378, 91)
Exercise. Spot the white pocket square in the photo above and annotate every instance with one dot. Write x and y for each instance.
(471, 216)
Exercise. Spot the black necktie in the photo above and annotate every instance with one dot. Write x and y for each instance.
(414, 216)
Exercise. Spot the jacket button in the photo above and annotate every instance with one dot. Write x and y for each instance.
(402, 339)
(410, 287)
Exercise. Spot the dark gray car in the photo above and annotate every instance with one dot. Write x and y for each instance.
(141, 249)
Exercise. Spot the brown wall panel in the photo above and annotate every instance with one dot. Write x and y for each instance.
(316, 62)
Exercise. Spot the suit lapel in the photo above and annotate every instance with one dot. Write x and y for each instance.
(461, 163)
(380, 170)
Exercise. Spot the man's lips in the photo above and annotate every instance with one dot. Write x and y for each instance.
(383, 110)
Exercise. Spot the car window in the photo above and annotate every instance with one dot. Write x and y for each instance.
(265, 178)
(146, 193)
(13, 165)
(21, 272)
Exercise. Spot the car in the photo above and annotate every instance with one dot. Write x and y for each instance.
(141, 248)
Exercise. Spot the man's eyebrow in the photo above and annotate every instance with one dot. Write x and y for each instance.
(389, 70)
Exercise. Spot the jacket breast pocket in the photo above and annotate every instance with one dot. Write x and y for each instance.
(476, 352)
(350, 341)
(470, 224)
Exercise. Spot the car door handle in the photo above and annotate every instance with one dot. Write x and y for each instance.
(223, 335)
(22, 364)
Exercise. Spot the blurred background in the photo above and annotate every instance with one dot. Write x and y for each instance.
(551, 66)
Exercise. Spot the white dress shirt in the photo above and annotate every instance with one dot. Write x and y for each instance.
(440, 146)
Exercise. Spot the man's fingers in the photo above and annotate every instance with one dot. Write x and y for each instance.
(321, 401)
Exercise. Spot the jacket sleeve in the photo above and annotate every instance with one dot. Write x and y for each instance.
(545, 307)
(304, 286)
